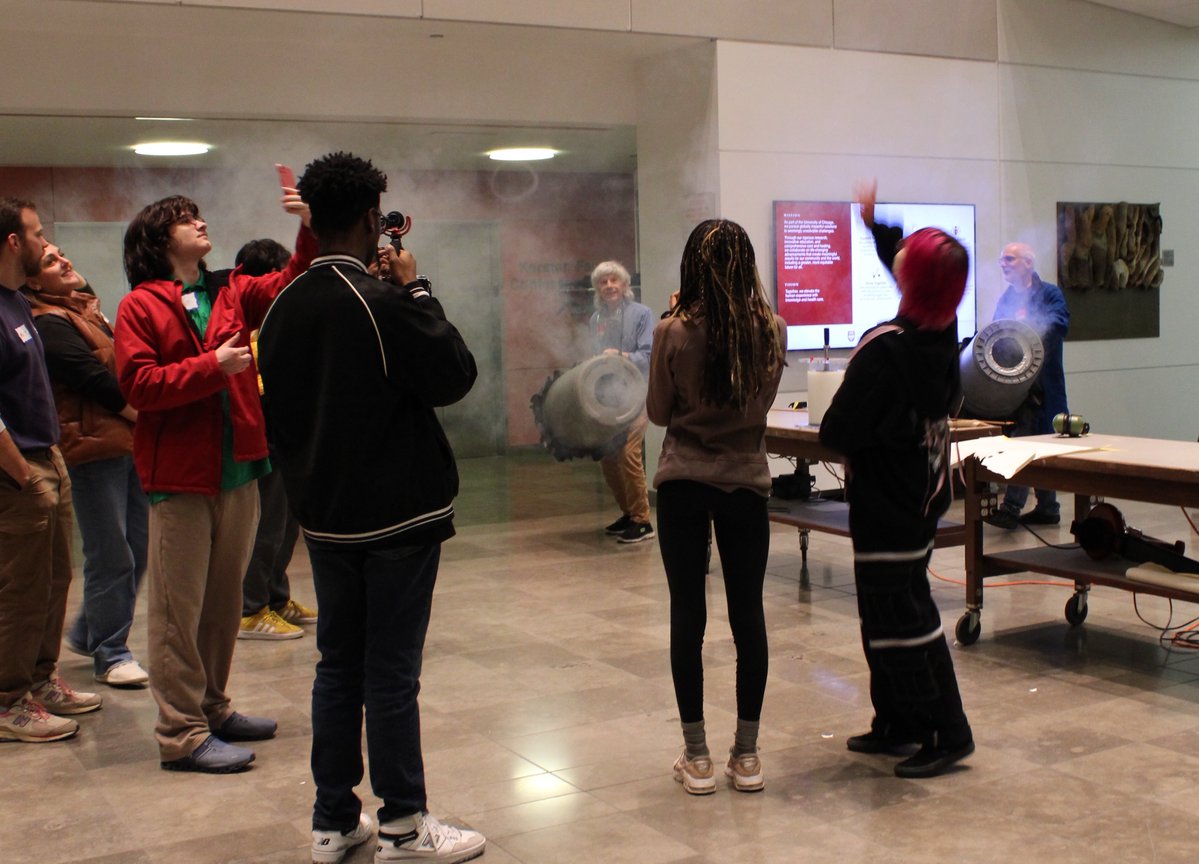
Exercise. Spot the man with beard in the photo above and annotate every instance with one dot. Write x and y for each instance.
(1042, 306)
(35, 507)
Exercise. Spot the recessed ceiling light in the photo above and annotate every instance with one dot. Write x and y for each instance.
(522, 154)
(167, 119)
(171, 148)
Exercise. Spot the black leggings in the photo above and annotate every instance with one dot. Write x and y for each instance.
(743, 538)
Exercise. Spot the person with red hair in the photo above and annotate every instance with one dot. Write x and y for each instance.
(890, 419)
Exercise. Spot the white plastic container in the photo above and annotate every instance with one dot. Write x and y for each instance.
(824, 377)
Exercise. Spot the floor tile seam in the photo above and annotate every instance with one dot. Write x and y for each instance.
(492, 811)
(559, 826)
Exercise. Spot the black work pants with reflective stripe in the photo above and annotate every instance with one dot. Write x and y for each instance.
(912, 683)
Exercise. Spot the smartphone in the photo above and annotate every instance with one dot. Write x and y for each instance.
(287, 177)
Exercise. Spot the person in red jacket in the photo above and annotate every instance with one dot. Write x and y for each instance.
(183, 362)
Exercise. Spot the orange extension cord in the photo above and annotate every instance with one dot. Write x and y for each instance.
(1182, 636)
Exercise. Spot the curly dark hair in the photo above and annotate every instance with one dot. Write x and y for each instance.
(259, 257)
(720, 289)
(149, 235)
(339, 188)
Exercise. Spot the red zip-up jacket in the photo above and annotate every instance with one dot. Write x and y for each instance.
(172, 378)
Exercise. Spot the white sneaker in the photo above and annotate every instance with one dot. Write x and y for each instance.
(329, 847)
(429, 841)
(698, 775)
(127, 673)
(745, 772)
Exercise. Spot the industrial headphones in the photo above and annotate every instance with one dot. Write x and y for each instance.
(1072, 425)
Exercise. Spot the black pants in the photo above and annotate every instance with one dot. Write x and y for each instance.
(265, 582)
(375, 606)
(912, 683)
(743, 539)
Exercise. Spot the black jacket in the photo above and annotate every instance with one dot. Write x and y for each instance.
(890, 419)
(352, 369)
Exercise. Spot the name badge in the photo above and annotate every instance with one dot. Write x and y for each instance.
(189, 302)
(23, 333)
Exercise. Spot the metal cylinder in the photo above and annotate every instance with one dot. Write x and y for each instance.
(591, 403)
(999, 366)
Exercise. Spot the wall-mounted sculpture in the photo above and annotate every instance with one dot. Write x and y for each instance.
(1113, 247)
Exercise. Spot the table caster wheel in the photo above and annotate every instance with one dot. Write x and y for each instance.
(1076, 609)
(969, 628)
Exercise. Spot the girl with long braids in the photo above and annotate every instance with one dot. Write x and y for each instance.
(714, 371)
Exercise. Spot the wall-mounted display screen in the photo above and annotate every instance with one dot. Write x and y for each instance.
(827, 274)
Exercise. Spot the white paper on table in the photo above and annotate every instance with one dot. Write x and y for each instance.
(1005, 456)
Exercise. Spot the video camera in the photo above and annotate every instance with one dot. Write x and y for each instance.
(395, 225)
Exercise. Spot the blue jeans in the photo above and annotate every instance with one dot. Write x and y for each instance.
(1015, 497)
(371, 635)
(112, 512)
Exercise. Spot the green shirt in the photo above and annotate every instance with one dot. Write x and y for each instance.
(233, 473)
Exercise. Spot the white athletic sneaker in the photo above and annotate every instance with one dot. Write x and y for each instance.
(745, 772)
(329, 847)
(127, 673)
(698, 776)
(429, 841)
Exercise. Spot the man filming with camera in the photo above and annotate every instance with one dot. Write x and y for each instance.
(353, 368)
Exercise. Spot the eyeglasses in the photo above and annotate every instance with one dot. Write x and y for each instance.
(1011, 259)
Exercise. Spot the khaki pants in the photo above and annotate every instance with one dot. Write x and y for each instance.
(35, 572)
(624, 471)
(199, 548)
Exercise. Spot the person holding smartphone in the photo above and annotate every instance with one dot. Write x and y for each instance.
(182, 342)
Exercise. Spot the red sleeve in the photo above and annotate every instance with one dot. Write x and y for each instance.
(256, 293)
(147, 385)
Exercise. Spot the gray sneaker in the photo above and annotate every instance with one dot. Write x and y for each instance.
(214, 756)
(243, 727)
(329, 847)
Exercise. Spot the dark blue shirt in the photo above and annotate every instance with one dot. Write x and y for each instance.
(1042, 307)
(26, 400)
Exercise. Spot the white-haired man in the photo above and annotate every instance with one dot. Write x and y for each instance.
(1040, 305)
(623, 326)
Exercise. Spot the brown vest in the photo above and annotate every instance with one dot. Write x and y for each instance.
(89, 430)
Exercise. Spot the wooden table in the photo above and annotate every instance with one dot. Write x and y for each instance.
(1138, 469)
(788, 434)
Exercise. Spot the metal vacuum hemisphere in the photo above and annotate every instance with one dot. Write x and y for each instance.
(590, 404)
(999, 366)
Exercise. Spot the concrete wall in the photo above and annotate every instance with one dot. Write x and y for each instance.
(1012, 105)
(1082, 103)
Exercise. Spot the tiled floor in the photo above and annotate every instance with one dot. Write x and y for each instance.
(549, 719)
